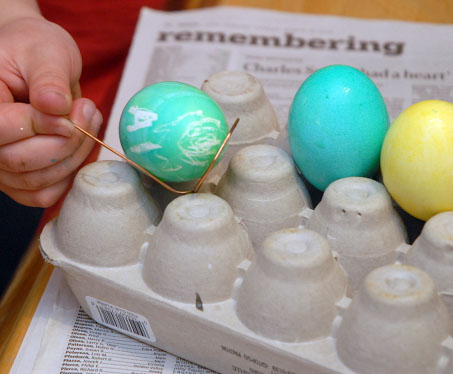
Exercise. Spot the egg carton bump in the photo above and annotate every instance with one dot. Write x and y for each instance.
(203, 282)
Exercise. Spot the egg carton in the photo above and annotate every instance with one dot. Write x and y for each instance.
(248, 278)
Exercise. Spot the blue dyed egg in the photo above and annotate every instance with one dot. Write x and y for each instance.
(337, 124)
(173, 130)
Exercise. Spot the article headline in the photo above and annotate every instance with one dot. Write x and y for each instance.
(288, 40)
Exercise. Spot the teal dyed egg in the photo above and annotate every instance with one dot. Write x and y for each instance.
(173, 130)
(336, 126)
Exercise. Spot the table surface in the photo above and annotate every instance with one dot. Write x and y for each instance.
(438, 11)
(22, 297)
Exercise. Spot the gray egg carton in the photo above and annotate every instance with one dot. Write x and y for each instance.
(248, 278)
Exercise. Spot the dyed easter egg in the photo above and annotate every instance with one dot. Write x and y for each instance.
(336, 126)
(417, 159)
(173, 130)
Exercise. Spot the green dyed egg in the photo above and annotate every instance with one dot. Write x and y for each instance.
(173, 130)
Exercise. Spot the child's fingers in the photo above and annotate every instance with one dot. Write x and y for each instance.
(41, 151)
(42, 178)
(76, 91)
(36, 152)
(41, 198)
(5, 94)
(43, 186)
(20, 121)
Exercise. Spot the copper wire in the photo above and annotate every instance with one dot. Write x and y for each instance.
(153, 177)
(217, 155)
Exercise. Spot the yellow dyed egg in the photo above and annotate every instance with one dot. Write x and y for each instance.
(417, 159)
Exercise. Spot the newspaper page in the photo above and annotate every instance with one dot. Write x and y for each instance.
(407, 61)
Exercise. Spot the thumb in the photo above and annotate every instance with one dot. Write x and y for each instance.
(50, 89)
(53, 77)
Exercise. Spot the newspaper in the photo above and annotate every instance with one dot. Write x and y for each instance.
(63, 339)
(407, 61)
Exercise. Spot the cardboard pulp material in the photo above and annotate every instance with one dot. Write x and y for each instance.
(365, 231)
(433, 253)
(263, 188)
(241, 95)
(193, 283)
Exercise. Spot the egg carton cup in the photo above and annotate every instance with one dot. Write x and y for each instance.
(262, 186)
(241, 95)
(265, 191)
(190, 282)
(432, 252)
(356, 215)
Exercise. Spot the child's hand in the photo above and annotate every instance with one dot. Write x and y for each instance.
(40, 66)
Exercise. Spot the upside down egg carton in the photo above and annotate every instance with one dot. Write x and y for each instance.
(247, 277)
(196, 282)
